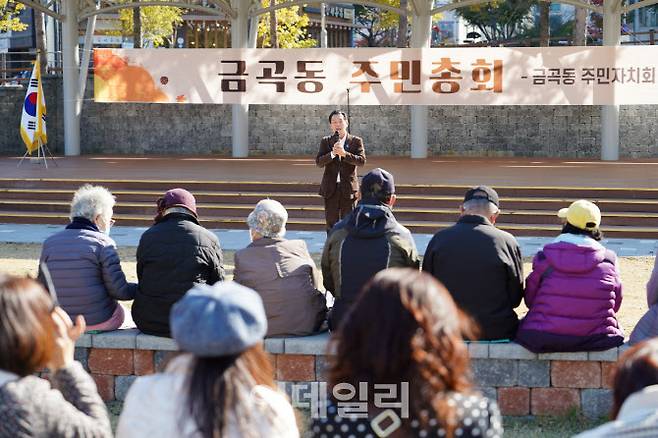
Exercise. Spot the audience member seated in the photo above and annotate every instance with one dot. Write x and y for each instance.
(647, 326)
(84, 263)
(222, 385)
(574, 290)
(365, 242)
(35, 333)
(173, 255)
(635, 395)
(405, 333)
(282, 272)
(480, 265)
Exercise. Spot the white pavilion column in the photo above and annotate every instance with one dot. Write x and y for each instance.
(420, 38)
(86, 57)
(240, 112)
(323, 25)
(610, 113)
(71, 62)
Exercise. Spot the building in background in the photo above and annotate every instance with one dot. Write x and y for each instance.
(339, 20)
(641, 25)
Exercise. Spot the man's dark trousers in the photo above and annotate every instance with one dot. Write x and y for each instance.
(338, 205)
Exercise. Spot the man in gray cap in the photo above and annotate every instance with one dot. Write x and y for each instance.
(365, 242)
(480, 265)
(173, 255)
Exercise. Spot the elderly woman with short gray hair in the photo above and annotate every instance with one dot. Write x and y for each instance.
(84, 263)
(282, 272)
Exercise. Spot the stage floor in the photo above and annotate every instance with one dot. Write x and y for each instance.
(436, 170)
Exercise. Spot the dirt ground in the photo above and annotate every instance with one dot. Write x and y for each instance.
(22, 259)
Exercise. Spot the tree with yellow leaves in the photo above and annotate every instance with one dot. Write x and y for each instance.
(157, 23)
(291, 28)
(9, 11)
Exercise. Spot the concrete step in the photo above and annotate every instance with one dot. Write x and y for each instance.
(316, 224)
(303, 187)
(311, 198)
(240, 211)
(423, 208)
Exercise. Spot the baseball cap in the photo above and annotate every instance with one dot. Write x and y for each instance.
(376, 184)
(178, 198)
(482, 192)
(582, 214)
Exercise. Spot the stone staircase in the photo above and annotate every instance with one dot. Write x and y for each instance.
(526, 211)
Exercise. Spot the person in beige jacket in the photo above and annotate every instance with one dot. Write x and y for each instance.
(282, 272)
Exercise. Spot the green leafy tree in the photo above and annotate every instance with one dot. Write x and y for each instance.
(9, 11)
(558, 28)
(377, 27)
(500, 19)
(291, 28)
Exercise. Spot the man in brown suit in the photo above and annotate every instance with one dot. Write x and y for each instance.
(339, 154)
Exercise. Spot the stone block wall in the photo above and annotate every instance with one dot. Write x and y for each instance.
(505, 131)
(523, 383)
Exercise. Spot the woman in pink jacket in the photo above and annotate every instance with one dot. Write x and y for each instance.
(574, 290)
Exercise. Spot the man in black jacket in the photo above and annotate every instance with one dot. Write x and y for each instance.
(480, 265)
(173, 255)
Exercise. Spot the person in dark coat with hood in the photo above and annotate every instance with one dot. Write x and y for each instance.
(173, 255)
(365, 242)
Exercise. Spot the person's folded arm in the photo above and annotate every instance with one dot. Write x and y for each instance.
(113, 277)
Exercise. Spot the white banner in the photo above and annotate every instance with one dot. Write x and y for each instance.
(380, 76)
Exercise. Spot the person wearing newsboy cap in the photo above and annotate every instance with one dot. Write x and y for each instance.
(173, 255)
(480, 265)
(223, 382)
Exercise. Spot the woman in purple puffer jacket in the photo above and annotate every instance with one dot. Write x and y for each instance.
(574, 290)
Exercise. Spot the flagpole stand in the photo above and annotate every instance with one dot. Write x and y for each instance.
(45, 149)
(41, 154)
(24, 155)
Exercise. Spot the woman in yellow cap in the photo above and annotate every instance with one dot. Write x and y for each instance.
(574, 290)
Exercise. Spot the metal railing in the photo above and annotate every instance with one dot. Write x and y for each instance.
(16, 67)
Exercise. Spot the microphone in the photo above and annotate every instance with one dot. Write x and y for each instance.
(337, 137)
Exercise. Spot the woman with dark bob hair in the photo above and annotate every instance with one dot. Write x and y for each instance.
(34, 333)
(401, 357)
(635, 395)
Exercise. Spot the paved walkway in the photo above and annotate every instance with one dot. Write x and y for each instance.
(237, 239)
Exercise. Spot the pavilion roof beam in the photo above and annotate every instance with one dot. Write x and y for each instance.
(421, 7)
(465, 3)
(41, 8)
(638, 5)
(109, 6)
(259, 11)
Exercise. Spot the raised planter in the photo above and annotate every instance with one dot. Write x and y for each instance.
(523, 383)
